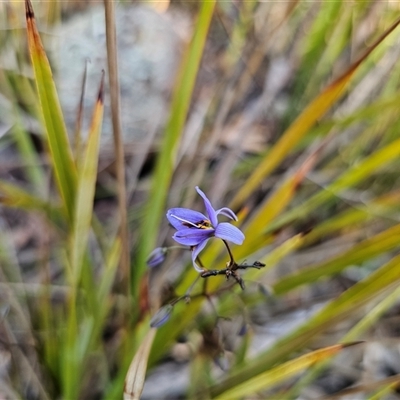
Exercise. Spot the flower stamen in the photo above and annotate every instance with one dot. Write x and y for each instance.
(185, 222)
(202, 224)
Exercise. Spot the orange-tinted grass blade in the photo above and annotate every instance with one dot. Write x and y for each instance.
(276, 203)
(60, 151)
(315, 110)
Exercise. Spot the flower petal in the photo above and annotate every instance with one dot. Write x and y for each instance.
(229, 232)
(210, 209)
(227, 212)
(196, 251)
(192, 237)
(179, 216)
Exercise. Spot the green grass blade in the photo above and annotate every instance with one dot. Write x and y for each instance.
(362, 251)
(111, 266)
(14, 196)
(351, 177)
(382, 207)
(28, 153)
(355, 333)
(387, 390)
(78, 247)
(86, 189)
(173, 132)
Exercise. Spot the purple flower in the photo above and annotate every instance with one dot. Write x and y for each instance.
(194, 228)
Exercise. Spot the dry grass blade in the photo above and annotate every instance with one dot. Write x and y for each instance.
(392, 381)
(26, 364)
(135, 377)
(118, 143)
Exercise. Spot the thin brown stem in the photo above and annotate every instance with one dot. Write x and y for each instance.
(111, 37)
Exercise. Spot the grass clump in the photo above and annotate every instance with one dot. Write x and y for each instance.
(287, 113)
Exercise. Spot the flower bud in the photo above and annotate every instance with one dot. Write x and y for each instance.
(156, 257)
(161, 316)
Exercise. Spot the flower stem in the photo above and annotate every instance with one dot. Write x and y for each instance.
(189, 290)
(178, 247)
(232, 260)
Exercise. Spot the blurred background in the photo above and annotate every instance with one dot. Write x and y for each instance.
(287, 112)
